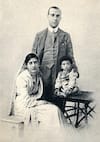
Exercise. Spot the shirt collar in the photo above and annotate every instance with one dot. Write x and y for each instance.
(52, 29)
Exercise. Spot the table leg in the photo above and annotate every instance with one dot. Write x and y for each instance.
(86, 117)
(77, 114)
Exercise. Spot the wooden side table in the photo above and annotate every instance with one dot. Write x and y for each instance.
(82, 97)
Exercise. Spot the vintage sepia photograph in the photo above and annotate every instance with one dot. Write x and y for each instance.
(49, 71)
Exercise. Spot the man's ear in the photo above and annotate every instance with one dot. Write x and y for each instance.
(60, 17)
(47, 16)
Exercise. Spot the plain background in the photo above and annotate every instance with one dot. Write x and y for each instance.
(20, 20)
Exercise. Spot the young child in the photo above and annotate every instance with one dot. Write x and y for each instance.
(66, 80)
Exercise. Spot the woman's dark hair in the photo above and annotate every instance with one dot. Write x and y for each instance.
(64, 58)
(29, 56)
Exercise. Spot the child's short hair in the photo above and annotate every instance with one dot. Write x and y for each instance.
(65, 58)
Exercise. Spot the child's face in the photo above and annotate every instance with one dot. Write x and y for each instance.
(66, 65)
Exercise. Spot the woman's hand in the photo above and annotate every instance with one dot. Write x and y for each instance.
(36, 103)
(33, 103)
(41, 102)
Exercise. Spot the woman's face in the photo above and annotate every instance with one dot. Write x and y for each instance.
(33, 66)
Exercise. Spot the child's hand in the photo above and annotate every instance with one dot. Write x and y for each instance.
(62, 94)
(59, 93)
(63, 90)
(56, 92)
(66, 91)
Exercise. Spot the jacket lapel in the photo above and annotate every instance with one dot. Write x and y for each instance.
(43, 38)
(60, 38)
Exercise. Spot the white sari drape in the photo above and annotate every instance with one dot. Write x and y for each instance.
(29, 109)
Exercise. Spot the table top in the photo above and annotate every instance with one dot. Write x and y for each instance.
(81, 96)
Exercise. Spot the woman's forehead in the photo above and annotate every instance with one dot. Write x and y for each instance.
(33, 60)
(65, 61)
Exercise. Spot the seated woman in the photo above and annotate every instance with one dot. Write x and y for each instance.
(28, 104)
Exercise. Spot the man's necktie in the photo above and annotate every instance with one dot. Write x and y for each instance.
(54, 38)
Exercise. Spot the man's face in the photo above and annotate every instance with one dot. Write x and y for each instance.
(54, 17)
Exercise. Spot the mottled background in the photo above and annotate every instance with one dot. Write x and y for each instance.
(20, 20)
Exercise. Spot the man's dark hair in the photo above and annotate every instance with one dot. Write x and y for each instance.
(55, 7)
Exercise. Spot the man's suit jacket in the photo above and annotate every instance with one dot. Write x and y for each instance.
(64, 47)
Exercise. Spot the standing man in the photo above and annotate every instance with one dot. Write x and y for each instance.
(51, 45)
